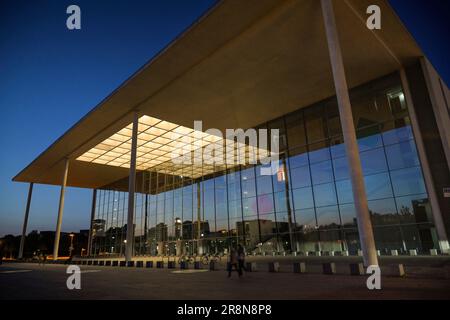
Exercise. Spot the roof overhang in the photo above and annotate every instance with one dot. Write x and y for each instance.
(240, 65)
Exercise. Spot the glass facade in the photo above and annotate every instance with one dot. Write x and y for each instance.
(306, 206)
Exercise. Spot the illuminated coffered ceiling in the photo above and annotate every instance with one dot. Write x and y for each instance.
(162, 146)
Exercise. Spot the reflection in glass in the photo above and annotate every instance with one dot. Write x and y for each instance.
(324, 195)
(407, 181)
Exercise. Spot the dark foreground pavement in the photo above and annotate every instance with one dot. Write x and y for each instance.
(31, 281)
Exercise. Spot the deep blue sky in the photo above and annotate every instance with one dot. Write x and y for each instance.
(50, 77)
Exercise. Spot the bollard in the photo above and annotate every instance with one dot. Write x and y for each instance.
(149, 264)
(212, 266)
(413, 252)
(139, 264)
(396, 270)
(329, 268)
(130, 264)
(250, 266)
(295, 253)
(159, 264)
(115, 263)
(197, 265)
(345, 253)
(433, 252)
(378, 253)
(360, 253)
(299, 267)
(274, 267)
(394, 253)
(356, 269)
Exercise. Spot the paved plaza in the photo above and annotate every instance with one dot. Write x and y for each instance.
(31, 281)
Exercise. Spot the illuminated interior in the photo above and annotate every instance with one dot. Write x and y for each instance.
(161, 146)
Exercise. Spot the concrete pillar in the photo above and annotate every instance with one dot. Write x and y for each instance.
(25, 221)
(60, 211)
(131, 189)
(94, 200)
(427, 176)
(348, 130)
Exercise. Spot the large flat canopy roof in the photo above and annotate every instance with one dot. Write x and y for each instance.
(240, 65)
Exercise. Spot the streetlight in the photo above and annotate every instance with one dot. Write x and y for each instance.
(71, 244)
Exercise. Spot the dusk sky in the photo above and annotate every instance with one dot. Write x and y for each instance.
(50, 77)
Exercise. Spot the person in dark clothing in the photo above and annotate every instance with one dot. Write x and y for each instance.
(241, 259)
(233, 262)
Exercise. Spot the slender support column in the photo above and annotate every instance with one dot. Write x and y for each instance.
(348, 130)
(428, 177)
(94, 201)
(25, 221)
(60, 211)
(288, 204)
(131, 189)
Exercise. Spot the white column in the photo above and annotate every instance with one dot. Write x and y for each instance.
(348, 130)
(25, 221)
(131, 189)
(60, 211)
(94, 200)
(427, 176)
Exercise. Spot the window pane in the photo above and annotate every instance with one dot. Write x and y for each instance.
(319, 152)
(234, 208)
(248, 188)
(264, 184)
(306, 218)
(316, 124)
(300, 177)
(402, 155)
(303, 198)
(321, 172)
(373, 161)
(408, 181)
(383, 212)
(298, 157)
(324, 195)
(396, 135)
(328, 217)
(378, 186)
(337, 147)
(348, 215)
(265, 204)
(344, 191)
(250, 208)
(414, 209)
(280, 201)
(369, 138)
(295, 129)
(341, 168)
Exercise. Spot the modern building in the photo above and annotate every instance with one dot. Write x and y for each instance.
(364, 139)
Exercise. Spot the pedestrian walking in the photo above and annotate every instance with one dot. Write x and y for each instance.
(241, 259)
(233, 262)
(41, 258)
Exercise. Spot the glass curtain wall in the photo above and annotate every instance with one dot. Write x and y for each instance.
(307, 206)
